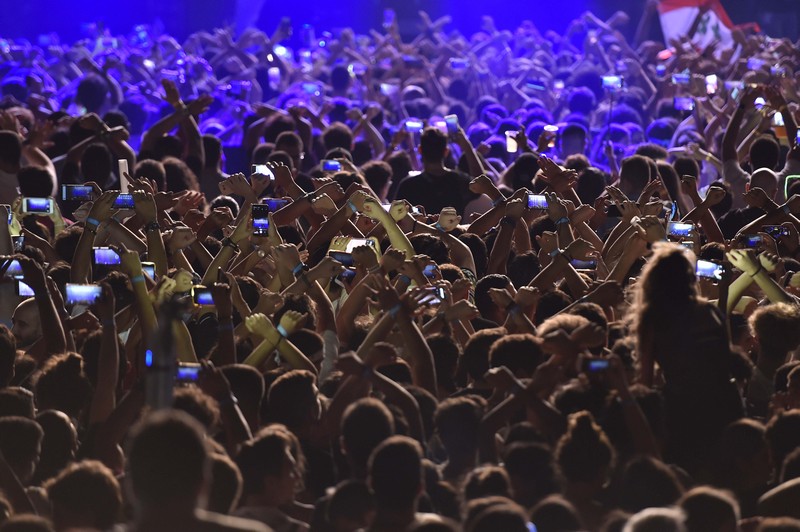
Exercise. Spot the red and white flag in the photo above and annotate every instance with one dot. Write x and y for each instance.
(678, 17)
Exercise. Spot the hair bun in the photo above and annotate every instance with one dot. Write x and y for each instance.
(583, 426)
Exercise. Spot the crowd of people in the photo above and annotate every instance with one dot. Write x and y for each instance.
(512, 281)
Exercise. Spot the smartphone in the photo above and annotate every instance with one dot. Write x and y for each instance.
(187, 372)
(755, 63)
(355, 242)
(201, 296)
(682, 78)
(9, 211)
(310, 88)
(456, 63)
(712, 84)
(612, 83)
(411, 61)
(262, 169)
(776, 231)
(433, 296)
(558, 85)
(347, 275)
(389, 89)
(77, 193)
(661, 70)
(584, 264)
(22, 289)
(537, 201)
(275, 204)
(451, 122)
(414, 125)
(274, 77)
(511, 142)
(431, 271)
(536, 85)
(709, 270)
(14, 270)
(330, 165)
(342, 256)
(19, 242)
(122, 168)
(260, 219)
(124, 201)
(680, 229)
(149, 268)
(82, 294)
(777, 120)
(752, 241)
(594, 365)
(42, 206)
(105, 256)
(683, 103)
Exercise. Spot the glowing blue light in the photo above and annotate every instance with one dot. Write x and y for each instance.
(148, 358)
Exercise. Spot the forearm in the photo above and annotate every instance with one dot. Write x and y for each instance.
(104, 398)
(330, 228)
(201, 254)
(774, 292)
(498, 258)
(423, 371)
(731, 134)
(226, 345)
(473, 161)
(220, 261)
(55, 338)
(123, 235)
(156, 251)
(736, 291)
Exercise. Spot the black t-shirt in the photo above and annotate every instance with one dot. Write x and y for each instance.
(435, 192)
(732, 221)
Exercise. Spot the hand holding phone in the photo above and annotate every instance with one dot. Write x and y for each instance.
(38, 206)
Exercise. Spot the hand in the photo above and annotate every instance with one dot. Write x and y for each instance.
(145, 206)
(399, 210)
(244, 229)
(221, 294)
(689, 185)
(130, 263)
(33, 274)
(745, 260)
(755, 197)
(654, 208)
(268, 302)
(213, 381)
(515, 209)
(351, 365)
(373, 210)
(556, 207)
(481, 185)
(327, 268)
(582, 213)
(650, 228)
(501, 297)
(392, 259)
(258, 324)
(239, 185)
(181, 237)
(200, 105)
(580, 249)
(188, 200)
(629, 211)
(461, 310)
(292, 320)
(527, 297)
(448, 219)
(769, 261)
(714, 196)
(172, 96)
(608, 294)
(103, 206)
(324, 205)
(259, 183)
(91, 121)
(365, 257)
(287, 255)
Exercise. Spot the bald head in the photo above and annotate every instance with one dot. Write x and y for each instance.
(766, 180)
(27, 327)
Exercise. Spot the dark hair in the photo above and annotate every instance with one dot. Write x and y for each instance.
(377, 174)
(62, 385)
(584, 452)
(88, 489)
(365, 424)
(291, 398)
(264, 456)
(166, 457)
(92, 92)
(433, 145)
(35, 181)
(59, 443)
(213, 150)
(395, 472)
(337, 135)
(457, 422)
(226, 485)
(152, 169)
(179, 176)
(10, 148)
(765, 152)
(482, 299)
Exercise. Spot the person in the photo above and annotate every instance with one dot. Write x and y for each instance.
(687, 337)
(166, 480)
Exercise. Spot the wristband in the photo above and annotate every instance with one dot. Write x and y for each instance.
(92, 221)
(498, 201)
(404, 278)
(225, 326)
(352, 206)
(299, 268)
(137, 279)
(152, 226)
(563, 220)
(438, 226)
(281, 331)
(555, 252)
(394, 310)
(786, 209)
(516, 387)
(760, 267)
